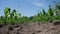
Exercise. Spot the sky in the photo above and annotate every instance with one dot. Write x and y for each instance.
(25, 7)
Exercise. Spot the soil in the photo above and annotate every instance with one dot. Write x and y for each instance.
(49, 27)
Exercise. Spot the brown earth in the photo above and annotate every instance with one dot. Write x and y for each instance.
(50, 27)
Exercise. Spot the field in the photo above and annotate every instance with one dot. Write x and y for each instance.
(50, 27)
(45, 22)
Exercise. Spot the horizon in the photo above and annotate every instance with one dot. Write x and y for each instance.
(25, 7)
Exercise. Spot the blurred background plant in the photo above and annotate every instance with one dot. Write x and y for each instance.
(12, 17)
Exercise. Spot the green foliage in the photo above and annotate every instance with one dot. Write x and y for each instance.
(23, 19)
(50, 11)
(12, 17)
(44, 13)
(2, 19)
(6, 11)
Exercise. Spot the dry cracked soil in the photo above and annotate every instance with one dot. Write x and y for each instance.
(49, 27)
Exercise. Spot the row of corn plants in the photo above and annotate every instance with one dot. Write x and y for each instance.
(12, 17)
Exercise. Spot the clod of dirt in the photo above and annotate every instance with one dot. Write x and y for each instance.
(57, 23)
(7, 33)
(10, 28)
(52, 28)
(17, 32)
(33, 33)
(1, 26)
(39, 31)
(51, 21)
(16, 26)
(21, 28)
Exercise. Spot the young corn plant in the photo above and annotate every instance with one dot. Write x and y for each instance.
(6, 13)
